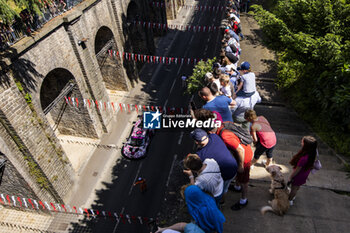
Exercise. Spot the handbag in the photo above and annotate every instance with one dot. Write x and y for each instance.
(317, 163)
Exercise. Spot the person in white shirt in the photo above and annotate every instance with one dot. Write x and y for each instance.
(247, 87)
(208, 175)
(227, 87)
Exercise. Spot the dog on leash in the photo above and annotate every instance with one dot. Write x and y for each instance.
(280, 204)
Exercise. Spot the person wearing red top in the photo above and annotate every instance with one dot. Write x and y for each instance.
(263, 136)
(243, 154)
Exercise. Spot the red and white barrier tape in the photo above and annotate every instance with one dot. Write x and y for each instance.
(27, 203)
(116, 107)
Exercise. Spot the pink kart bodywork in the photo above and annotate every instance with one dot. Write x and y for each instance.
(137, 143)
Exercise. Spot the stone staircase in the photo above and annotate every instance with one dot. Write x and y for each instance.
(289, 127)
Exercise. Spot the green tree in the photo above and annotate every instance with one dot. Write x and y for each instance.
(196, 80)
(312, 40)
(11, 8)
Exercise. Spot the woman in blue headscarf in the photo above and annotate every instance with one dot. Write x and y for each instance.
(203, 210)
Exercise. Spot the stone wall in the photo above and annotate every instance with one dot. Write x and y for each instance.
(13, 182)
(32, 147)
(172, 7)
(28, 137)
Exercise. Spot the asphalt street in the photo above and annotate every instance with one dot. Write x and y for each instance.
(167, 146)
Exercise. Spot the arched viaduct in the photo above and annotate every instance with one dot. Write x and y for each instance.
(68, 57)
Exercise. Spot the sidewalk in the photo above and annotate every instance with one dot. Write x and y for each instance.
(318, 206)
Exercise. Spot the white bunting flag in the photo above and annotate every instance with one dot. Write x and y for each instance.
(14, 200)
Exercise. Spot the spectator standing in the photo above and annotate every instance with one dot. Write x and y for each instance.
(243, 154)
(302, 163)
(212, 147)
(247, 87)
(203, 210)
(263, 136)
(208, 175)
(220, 104)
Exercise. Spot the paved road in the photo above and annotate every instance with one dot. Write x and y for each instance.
(166, 147)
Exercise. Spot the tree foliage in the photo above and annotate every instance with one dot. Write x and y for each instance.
(196, 80)
(9, 8)
(312, 39)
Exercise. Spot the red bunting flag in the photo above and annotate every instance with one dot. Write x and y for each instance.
(42, 204)
(121, 108)
(87, 212)
(53, 206)
(19, 200)
(122, 218)
(8, 199)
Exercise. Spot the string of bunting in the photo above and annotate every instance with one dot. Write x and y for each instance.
(116, 107)
(155, 59)
(28, 203)
(200, 8)
(164, 26)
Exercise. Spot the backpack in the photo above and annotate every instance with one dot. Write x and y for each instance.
(242, 134)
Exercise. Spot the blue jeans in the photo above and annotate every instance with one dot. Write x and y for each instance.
(218, 199)
(227, 184)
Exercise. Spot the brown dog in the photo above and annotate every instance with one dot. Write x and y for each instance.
(280, 203)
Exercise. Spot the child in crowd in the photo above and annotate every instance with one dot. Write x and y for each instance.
(302, 163)
(263, 136)
(227, 88)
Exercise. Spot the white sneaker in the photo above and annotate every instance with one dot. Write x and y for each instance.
(291, 202)
(263, 162)
(252, 167)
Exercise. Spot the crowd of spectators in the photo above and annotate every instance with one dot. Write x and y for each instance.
(224, 155)
(28, 21)
(221, 161)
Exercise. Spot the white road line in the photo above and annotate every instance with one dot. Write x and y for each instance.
(190, 42)
(116, 225)
(166, 102)
(180, 139)
(171, 170)
(137, 174)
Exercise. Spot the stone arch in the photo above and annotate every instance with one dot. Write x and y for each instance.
(137, 37)
(69, 119)
(12, 182)
(110, 66)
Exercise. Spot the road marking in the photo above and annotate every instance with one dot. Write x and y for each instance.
(180, 139)
(166, 102)
(171, 170)
(190, 42)
(137, 174)
(206, 48)
(116, 225)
